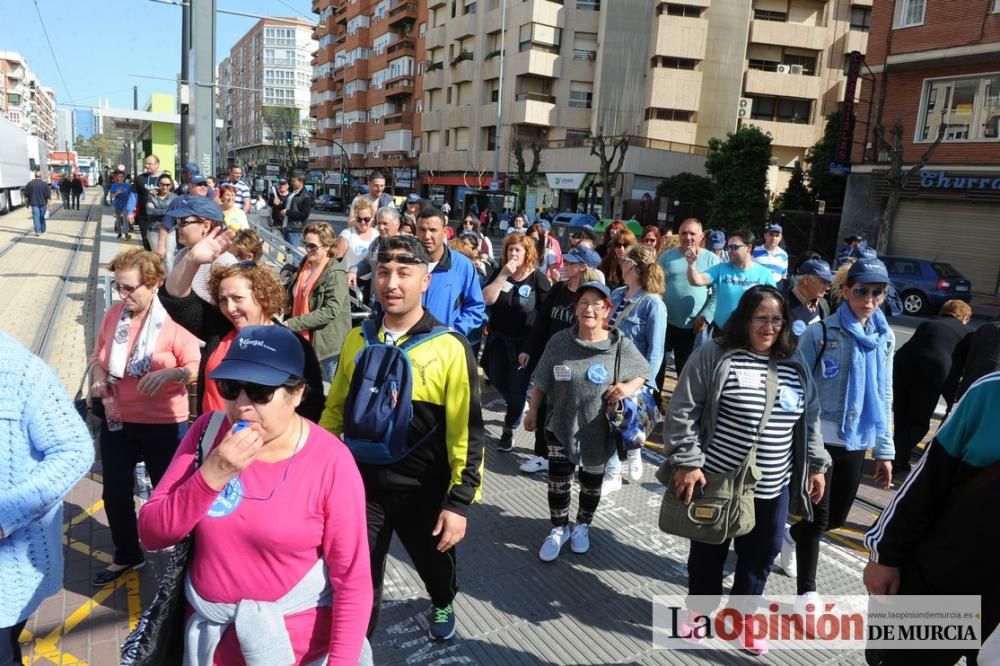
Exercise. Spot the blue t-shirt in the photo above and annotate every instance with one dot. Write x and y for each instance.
(730, 282)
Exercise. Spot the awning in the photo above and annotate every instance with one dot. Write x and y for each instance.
(467, 181)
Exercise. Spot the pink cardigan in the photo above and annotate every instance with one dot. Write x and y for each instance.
(261, 548)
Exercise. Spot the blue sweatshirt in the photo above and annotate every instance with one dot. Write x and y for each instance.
(454, 296)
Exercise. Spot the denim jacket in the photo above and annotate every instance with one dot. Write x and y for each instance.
(830, 375)
(645, 324)
(694, 409)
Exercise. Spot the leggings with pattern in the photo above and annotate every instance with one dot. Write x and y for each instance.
(560, 483)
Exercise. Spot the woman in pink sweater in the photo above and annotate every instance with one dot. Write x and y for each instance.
(277, 510)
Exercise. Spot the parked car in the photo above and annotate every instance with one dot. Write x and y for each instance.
(925, 285)
(329, 202)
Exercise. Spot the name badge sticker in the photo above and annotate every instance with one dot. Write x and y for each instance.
(524, 290)
(597, 374)
(789, 399)
(562, 373)
(749, 379)
(507, 286)
(227, 501)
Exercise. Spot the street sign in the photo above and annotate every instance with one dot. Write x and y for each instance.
(494, 186)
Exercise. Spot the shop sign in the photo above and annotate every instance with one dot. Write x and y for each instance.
(941, 180)
(565, 181)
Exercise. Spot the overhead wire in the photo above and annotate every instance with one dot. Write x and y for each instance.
(41, 22)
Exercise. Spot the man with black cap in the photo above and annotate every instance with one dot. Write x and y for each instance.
(425, 496)
(806, 298)
(850, 250)
(187, 171)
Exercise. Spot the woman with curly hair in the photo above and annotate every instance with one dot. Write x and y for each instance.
(621, 243)
(247, 294)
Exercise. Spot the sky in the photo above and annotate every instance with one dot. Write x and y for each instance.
(104, 47)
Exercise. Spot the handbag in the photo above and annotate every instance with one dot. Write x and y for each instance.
(158, 637)
(724, 509)
(634, 417)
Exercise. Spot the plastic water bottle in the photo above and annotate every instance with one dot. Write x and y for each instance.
(143, 482)
(112, 412)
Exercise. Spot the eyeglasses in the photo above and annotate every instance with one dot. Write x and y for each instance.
(619, 245)
(773, 322)
(123, 289)
(186, 221)
(312, 247)
(165, 183)
(258, 394)
(596, 306)
(863, 292)
(733, 247)
(366, 220)
(400, 258)
(247, 264)
(651, 240)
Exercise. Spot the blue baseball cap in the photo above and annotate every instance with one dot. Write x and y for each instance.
(191, 204)
(868, 270)
(413, 198)
(773, 228)
(191, 168)
(817, 267)
(266, 355)
(198, 179)
(583, 255)
(716, 240)
(597, 286)
(546, 227)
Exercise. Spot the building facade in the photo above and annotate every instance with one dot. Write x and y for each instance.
(366, 91)
(264, 99)
(938, 72)
(25, 101)
(65, 131)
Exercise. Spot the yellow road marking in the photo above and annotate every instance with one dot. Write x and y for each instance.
(87, 513)
(134, 600)
(47, 648)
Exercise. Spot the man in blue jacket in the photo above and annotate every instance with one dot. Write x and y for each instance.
(454, 296)
(37, 192)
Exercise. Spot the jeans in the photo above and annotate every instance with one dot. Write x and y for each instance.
(293, 238)
(122, 224)
(154, 443)
(74, 201)
(328, 367)
(65, 200)
(38, 218)
(509, 378)
(755, 551)
(682, 341)
(10, 649)
(412, 515)
(842, 480)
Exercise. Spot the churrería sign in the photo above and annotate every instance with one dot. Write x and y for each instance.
(942, 180)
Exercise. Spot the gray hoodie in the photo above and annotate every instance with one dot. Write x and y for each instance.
(694, 408)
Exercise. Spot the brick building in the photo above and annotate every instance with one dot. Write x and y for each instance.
(933, 64)
(25, 101)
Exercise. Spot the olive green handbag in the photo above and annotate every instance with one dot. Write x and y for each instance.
(724, 509)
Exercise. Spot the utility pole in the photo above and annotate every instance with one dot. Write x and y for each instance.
(202, 84)
(499, 129)
(185, 87)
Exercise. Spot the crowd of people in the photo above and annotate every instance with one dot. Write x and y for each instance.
(313, 441)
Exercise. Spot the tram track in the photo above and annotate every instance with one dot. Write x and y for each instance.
(18, 237)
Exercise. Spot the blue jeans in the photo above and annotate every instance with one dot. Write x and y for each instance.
(293, 238)
(755, 551)
(38, 218)
(510, 380)
(328, 367)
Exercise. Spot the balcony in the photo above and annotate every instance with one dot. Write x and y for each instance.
(781, 85)
(436, 37)
(675, 89)
(574, 118)
(401, 13)
(789, 134)
(359, 70)
(433, 79)
(856, 41)
(670, 130)
(680, 37)
(460, 116)
(534, 62)
(316, 6)
(431, 4)
(463, 26)
(797, 35)
(398, 87)
(397, 118)
(533, 109)
(397, 141)
(491, 68)
(401, 48)
(463, 71)
(430, 121)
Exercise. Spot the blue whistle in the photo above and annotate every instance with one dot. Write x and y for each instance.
(240, 425)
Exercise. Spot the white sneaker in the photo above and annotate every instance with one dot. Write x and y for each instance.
(611, 484)
(635, 465)
(812, 598)
(579, 540)
(535, 464)
(787, 562)
(553, 543)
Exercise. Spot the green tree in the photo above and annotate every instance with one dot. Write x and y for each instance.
(797, 195)
(687, 188)
(278, 121)
(103, 148)
(738, 168)
(823, 185)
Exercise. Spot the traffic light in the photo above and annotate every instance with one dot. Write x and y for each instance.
(347, 179)
(288, 138)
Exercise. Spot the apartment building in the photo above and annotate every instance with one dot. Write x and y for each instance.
(24, 100)
(366, 91)
(670, 73)
(936, 67)
(264, 95)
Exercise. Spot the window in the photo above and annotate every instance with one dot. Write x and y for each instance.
(861, 18)
(768, 15)
(672, 9)
(590, 5)
(581, 94)
(539, 36)
(909, 13)
(968, 108)
(782, 109)
(279, 36)
(664, 62)
(577, 138)
(490, 136)
(679, 115)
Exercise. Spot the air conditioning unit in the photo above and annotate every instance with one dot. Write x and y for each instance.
(784, 69)
(743, 107)
(796, 69)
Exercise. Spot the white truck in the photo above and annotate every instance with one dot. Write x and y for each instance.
(16, 164)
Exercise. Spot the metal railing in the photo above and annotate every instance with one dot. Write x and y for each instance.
(277, 251)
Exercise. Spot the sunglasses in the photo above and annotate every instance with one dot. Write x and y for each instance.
(312, 247)
(123, 289)
(185, 222)
(863, 292)
(165, 183)
(400, 258)
(733, 247)
(366, 220)
(619, 245)
(258, 394)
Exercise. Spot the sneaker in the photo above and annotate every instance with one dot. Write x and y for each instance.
(119, 235)
(506, 441)
(579, 540)
(553, 543)
(787, 562)
(109, 575)
(128, 236)
(635, 465)
(442, 623)
(535, 464)
(611, 484)
(809, 598)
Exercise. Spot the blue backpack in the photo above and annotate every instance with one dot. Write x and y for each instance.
(378, 409)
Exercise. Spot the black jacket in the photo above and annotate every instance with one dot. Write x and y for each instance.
(76, 186)
(37, 192)
(928, 354)
(977, 354)
(297, 213)
(143, 184)
(205, 322)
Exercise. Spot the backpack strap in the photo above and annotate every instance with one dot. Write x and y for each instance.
(821, 349)
(369, 334)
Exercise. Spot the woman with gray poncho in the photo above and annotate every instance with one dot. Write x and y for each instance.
(575, 375)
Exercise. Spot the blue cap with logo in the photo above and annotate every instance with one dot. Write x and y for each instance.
(583, 255)
(772, 228)
(191, 204)
(597, 286)
(191, 168)
(198, 179)
(266, 355)
(868, 270)
(413, 198)
(716, 240)
(817, 267)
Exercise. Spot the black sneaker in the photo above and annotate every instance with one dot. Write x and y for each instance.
(506, 441)
(442, 623)
(107, 576)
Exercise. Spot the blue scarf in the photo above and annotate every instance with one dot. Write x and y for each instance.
(865, 415)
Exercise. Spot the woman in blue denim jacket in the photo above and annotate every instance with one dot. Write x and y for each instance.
(850, 354)
(639, 313)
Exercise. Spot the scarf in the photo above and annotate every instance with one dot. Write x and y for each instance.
(865, 416)
(139, 361)
(303, 288)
